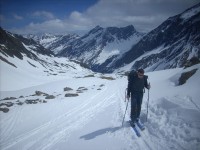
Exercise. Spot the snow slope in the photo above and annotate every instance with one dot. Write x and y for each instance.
(29, 72)
(93, 119)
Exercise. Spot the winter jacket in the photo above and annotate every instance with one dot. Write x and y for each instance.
(135, 84)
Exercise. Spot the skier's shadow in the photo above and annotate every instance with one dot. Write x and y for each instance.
(102, 131)
(110, 129)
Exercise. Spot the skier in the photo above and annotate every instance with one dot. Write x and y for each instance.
(136, 83)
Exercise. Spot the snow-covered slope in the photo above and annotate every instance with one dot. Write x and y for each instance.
(28, 72)
(92, 120)
(23, 62)
(170, 45)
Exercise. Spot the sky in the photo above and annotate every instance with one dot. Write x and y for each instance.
(80, 16)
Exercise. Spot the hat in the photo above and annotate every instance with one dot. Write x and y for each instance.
(141, 71)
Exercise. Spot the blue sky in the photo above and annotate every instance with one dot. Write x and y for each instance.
(79, 16)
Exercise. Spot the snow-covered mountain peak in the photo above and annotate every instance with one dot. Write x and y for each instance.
(112, 32)
(96, 29)
(100, 46)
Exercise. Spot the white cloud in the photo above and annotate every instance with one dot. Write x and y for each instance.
(43, 15)
(52, 26)
(145, 15)
(78, 18)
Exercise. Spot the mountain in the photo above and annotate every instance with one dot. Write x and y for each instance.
(31, 63)
(14, 45)
(170, 45)
(98, 49)
(105, 50)
(100, 46)
(55, 43)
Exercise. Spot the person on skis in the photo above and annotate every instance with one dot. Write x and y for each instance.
(137, 81)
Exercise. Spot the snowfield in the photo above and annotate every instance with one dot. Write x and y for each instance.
(93, 119)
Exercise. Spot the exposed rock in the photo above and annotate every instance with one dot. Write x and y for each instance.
(5, 110)
(7, 104)
(50, 97)
(68, 89)
(101, 85)
(19, 103)
(107, 78)
(9, 98)
(39, 93)
(71, 95)
(34, 101)
(185, 76)
(44, 101)
(89, 76)
(192, 61)
(82, 88)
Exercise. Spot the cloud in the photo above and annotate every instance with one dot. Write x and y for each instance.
(145, 15)
(17, 17)
(57, 26)
(43, 14)
(53, 26)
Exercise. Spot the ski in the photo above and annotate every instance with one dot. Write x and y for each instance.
(135, 130)
(140, 125)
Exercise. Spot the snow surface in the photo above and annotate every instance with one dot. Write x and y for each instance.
(48, 69)
(93, 119)
(118, 47)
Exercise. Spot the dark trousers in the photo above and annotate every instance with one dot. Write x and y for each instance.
(136, 103)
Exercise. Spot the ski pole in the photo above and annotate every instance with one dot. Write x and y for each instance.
(148, 102)
(125, 113)
(125, 95)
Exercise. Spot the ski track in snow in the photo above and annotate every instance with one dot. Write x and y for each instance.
(61, 127)
(8, 130)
